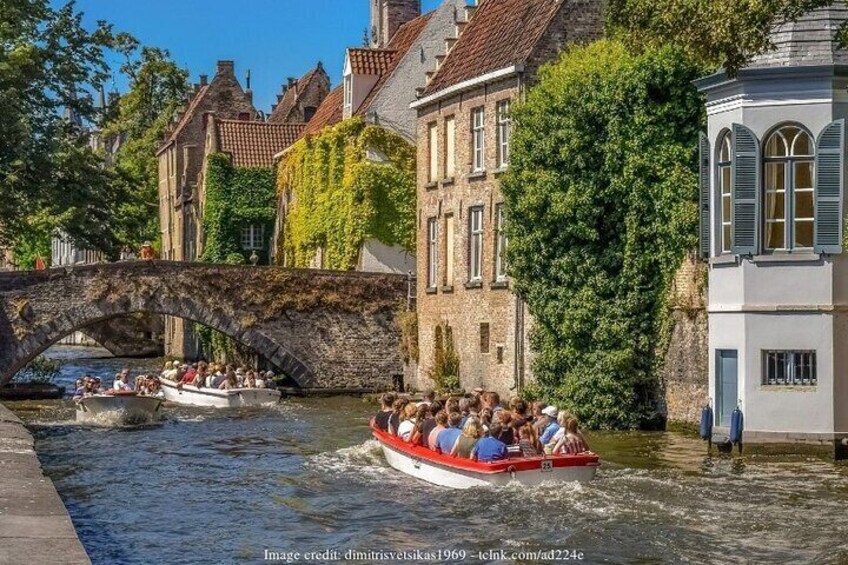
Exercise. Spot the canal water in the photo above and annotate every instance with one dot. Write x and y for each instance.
(210, 486)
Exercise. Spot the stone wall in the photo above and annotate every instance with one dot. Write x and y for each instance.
(323, 329)
(686, 369)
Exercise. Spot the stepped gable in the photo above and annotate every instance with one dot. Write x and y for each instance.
(254, 144)
(808, 41)
(501, 33)
(283, 110)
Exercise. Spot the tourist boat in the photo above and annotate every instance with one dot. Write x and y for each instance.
(127, 408)
(454, 472)
(233, 398)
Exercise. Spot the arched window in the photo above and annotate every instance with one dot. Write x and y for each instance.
(725, 166)
(789, 209)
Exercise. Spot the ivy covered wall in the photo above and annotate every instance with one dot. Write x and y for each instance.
(340, 198)
(236, 197)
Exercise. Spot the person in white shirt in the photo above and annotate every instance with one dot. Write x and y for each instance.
(122, 382)
(408, 423)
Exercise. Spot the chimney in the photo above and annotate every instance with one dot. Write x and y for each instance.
(247, 80)
(226, 68)
(248, 91)
(204, 80)
(388, 15)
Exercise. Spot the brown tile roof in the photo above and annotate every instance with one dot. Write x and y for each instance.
(328, 113)
(287, 102)
(401, 42)
(254, 144)
(370, 61)
(501, 33)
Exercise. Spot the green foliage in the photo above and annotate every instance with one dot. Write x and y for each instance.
(721, 33)
(48, 64)
(407, 322)
(601, 197)
(34, 242)
(236, 197)
(445, 370)
(340, 198)
(40, 370)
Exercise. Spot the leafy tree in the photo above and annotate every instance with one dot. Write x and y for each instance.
(47, 169)
(157, 88)
(718, 32)
(600, 198)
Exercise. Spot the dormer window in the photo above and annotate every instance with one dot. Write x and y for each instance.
(348, 95)
(789, 209)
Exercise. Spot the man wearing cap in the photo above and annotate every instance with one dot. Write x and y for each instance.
(552, 427)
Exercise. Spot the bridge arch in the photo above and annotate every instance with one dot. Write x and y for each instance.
(321, 328)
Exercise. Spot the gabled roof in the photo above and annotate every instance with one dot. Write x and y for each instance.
(401, 43)
(282, 111)
(501, 34)
(365, 61)
(328, 113)
(186, 117)
(254, 144)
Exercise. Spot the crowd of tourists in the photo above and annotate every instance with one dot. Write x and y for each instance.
(144, 385)
(216, 376)
(477, 427)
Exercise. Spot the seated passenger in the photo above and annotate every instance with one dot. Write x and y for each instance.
(490, 448)
(466, 441)
(492, 401)
(398, 409)
(573, 441)
(407, 424)
(452, 405)
(441, 420)
(504, 418)
(526, 441)
(551, 427)
(430, 422)
(473, 409)
(519, 413)
(381, 419)
(536, 410)
(417, 435)
(428, 397)
(79, 389)
(446, 440)
(229, 382)
(269, 380)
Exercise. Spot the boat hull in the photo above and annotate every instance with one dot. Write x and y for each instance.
(456, 473)
(188, 395)
(118, 409)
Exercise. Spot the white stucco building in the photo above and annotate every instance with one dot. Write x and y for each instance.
(772, 217)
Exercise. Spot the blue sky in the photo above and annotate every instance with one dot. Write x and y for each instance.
(275, 39)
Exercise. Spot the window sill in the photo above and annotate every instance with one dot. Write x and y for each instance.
(499, 284)
(431, 290)
(431, 185)
(447, 181)
(787, 388)
(473, 284)
(780, 257)
(477, 175)
(726, 259)
(501, 170)
(447, 290)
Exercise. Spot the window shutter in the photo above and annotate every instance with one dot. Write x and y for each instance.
(704, 160)
(746, 191)
(830, 148)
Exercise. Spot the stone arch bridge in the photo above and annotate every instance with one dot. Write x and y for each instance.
(324, 329)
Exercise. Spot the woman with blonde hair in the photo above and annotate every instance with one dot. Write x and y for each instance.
(572, 441)
(468, 439)
(407, 425)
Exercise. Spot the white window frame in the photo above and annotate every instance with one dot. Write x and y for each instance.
(500, 244)
(790, 368)
(348, 93)
(504, 132)
(432, 252)
(433, 152)
(478, 139)
(450, 147)
(252, 234)
(475, 243)
(790, 163)
(450, 241)
(725, 192)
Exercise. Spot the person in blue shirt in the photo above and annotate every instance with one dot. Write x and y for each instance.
(490, 448)
(552, 428)
(446, 439)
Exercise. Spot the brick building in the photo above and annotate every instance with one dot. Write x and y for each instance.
(463, 146)
(301, 97)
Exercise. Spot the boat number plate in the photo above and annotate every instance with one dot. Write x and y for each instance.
(547, 466)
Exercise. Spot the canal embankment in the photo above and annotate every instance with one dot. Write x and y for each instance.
(34, 524)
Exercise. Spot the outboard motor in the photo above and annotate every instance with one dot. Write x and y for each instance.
(737, 426)
(707, 425)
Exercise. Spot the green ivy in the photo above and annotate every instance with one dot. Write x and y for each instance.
(601, 197)
(341, 198)
(236, 197)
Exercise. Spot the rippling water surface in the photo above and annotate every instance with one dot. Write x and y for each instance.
(223, 486)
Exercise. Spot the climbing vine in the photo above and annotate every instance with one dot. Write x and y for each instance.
(349, 184)
(236, 198)
(601, 196)
(445, 370)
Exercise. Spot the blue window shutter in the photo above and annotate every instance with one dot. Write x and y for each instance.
(830, 151)
(704, 204)
(746, 191)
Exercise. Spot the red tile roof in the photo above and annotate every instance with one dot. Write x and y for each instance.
(400, 43)
(328, 113)
(370, 61)
(254, 144)
(502, 33)
(287, 103)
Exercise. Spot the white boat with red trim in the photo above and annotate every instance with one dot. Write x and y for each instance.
(118, 407)
(190, 395)
(455, 472)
